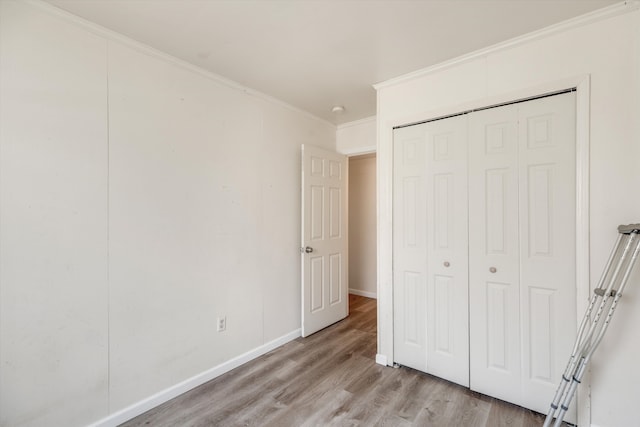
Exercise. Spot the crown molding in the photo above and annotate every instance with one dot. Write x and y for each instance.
(358, 122)
(114, 36)
(579, 21)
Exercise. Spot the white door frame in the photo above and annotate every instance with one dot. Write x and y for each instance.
(385, 201)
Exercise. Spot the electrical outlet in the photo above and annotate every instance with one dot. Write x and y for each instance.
(222, 323)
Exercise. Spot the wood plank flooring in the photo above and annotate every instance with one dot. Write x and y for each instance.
(331, 379)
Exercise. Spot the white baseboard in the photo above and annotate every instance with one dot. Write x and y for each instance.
(363, 293)
(159, 398)
(381, 359)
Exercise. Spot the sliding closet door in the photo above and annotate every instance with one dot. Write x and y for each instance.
(431, 324)
(522, 248)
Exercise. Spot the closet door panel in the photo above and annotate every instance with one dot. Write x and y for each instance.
(409, 248)
(547, 243)
(447, 249)
(494, 253)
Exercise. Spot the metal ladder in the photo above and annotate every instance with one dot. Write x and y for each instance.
(592, 328)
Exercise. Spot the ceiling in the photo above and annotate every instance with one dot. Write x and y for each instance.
(318, 54)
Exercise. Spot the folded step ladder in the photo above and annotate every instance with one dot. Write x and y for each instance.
(593, 326)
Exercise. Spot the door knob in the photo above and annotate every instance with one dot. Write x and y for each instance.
(493, 269)
(447, 263)
(308, 249)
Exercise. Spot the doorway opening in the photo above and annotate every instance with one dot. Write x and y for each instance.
(362, 226)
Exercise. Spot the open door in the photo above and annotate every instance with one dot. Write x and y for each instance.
(325, 288)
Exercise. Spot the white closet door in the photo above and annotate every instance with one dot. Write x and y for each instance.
(409, 248)
(447, 250)
(431, 324)
(522, 248)
(547, 245)
(494, 288)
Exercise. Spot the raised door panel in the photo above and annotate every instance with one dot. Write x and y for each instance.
(493, 247)
(335, 213)
(447, 249)
(316, 207)
(547, 245)
(316, 282)
(497, 326)
(335, 279)
(409, 248)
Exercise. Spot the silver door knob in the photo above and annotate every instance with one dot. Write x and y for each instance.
(493, 269)
(446, 263)
(308, 249)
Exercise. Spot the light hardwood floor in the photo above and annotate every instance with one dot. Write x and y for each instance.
(331, 379)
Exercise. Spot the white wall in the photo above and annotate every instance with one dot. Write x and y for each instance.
(357, 137)
(140, 198)
(362, 226)
(605, 52)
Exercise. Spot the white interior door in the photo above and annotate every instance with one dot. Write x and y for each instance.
(431, 324)
(522, 265)
(324, 239)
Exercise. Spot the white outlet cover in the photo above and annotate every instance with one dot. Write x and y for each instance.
(222, 323)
